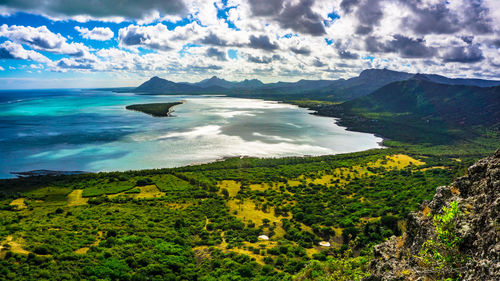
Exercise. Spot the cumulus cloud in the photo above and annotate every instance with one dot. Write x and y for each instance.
(262, 42)
(11, 50)
(97, 33)
(263, 59)
(41, 38)
(153, 37)
(98, 8)
(219, 55)
(469, 54)
(301, 51)
(213, 39)
(295, 15)
(406, 47)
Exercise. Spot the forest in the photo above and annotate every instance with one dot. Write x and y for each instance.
(237, 219)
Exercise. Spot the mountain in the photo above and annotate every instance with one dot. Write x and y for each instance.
(215, 81)
(158, 85)
(248, 84)
(458, 81)
(367, 82)
(370, 80)
(418, 111)
(454, 104)
(301, 85)
(469, 248)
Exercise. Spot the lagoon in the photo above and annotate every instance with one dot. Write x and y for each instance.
(92, 131)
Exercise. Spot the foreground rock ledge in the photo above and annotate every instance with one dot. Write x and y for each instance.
(478, 196)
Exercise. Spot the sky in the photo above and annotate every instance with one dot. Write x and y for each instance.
(115, 43)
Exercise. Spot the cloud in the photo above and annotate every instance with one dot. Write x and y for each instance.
(406, 47)
(41, 38)
(274, 39)
(301, 51)
(97, 33)
(368, 13)
(11, 50)
(263, 59)
(437, 18)
(343, 52)
(66, 63)
(262, 42)
(318, 63)
(153, 37)
(469, 54)
(213, 39)
(296, 15)
(98, 8)
(159, 37)
(219, 55)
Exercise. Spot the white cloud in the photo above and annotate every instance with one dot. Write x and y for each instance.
(41, 38)
(11, 50)
(97, 33)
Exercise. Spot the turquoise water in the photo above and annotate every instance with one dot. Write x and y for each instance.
(92, 131)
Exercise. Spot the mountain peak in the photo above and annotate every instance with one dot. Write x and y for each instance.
(421, 76)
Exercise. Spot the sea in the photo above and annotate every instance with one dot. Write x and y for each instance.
(90, 130)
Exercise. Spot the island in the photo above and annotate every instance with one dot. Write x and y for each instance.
(155, 109)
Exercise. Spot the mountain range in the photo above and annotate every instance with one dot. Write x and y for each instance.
(332, 90)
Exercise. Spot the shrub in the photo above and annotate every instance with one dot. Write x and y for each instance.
(440, 255)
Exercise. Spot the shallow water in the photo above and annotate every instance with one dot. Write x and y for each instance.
(92, 131)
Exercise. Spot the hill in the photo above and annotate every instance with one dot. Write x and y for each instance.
(160, 86)
(454, 104)
(419, 112)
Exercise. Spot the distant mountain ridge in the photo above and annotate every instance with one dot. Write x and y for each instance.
(367, 82)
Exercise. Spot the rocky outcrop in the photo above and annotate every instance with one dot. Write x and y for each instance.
(478, 197)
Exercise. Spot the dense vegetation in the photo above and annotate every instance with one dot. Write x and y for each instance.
(154, 109)
(203, 222)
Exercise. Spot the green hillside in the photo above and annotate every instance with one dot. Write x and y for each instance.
(455, 105)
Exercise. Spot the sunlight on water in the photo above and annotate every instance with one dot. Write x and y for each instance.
(92, 131)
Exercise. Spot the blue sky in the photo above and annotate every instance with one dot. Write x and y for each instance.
(60, 44)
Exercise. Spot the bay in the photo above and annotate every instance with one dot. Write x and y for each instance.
(92, 131)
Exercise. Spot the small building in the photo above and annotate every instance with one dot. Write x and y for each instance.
(263, 237)
(324, 244)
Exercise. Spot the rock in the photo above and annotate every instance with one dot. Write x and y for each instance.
(478, 196)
